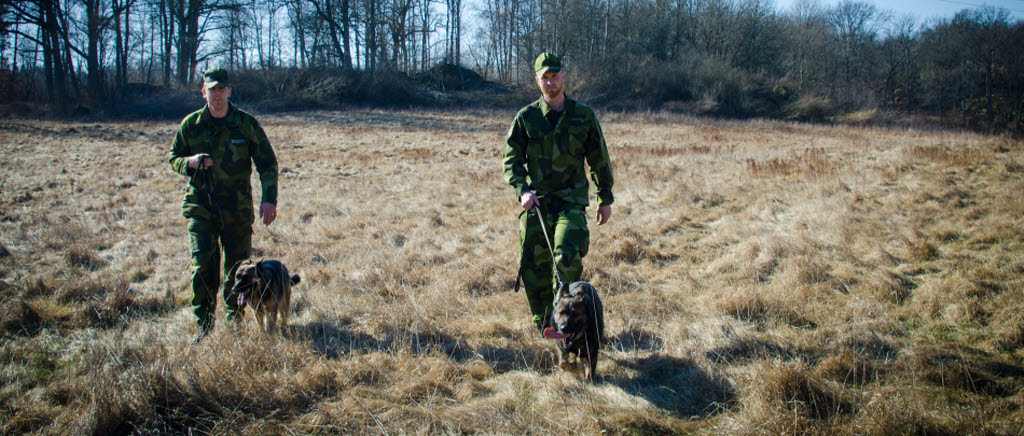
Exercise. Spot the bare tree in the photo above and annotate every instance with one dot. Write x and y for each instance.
(235, 40)
(297, 21)
(122, 40)
(855, 25)
(427, 25)
(901, 53)
(804, 60)
(986, 31)
(337, 15)
(193, 19)
(165, 19)
(397, 18)
(48, 17)
(453, 32)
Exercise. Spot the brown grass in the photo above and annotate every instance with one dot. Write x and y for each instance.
(758, 278)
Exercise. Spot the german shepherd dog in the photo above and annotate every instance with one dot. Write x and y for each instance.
(578, 320)
(267, 287)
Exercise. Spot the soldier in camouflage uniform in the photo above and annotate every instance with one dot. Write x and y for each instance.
(216, 147)
(543, 160)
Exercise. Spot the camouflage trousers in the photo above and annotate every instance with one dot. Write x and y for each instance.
(570, 238)
(207, 236)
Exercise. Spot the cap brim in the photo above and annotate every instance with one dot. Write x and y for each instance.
(551, 69)
(211, 84)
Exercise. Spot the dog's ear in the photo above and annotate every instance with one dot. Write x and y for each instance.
(574, 289)
(235, 268)
(259, 268)
(581, 300)
(562, 291)
(588, 292)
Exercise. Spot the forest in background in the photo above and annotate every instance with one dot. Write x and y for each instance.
(732, 58)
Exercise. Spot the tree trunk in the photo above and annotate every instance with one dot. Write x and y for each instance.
(187, 16)
(53, 54)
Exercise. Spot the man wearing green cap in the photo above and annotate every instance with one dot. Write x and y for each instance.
(543, 161)
(216, 147)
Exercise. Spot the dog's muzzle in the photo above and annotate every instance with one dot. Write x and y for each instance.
(243, 292)
(242, 297)
(567, 342)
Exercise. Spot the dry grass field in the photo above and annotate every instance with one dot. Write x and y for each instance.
(758, 278)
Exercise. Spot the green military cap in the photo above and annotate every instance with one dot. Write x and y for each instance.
(547, 62)
(215, 76)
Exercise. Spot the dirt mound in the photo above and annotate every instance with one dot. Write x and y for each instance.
(450, 77)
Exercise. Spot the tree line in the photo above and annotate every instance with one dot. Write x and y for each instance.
(94, 47)
(724, 57)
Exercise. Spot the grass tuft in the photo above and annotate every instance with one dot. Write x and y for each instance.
(787, 397)
(18, 317)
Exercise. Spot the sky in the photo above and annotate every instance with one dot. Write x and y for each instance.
(927, 9)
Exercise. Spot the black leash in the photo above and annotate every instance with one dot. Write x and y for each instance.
(551, 250)
(547, 240)
(206, 184)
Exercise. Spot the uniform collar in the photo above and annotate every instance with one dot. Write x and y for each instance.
(545, 109)
(206, 117)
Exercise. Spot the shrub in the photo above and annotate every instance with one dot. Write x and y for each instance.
(808, 108)
(693, 83)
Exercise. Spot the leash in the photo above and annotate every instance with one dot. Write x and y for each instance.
(547, 240)
(207, 185)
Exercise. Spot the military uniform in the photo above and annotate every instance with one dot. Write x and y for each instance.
(544, 153)
(224, 210)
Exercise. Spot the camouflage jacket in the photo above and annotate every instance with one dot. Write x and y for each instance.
(549, 159)
(233, 142)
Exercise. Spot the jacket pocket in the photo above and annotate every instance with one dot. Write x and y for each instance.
(578, 134)
(237, 156)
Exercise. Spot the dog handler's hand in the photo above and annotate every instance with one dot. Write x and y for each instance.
(268, 212)
(528, 200)
(604, 213)
(197, 162)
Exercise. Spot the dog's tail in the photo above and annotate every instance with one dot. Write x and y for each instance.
(294, 279)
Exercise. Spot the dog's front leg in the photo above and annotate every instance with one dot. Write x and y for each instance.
(591, 368)
(563, 358)
(260, 316)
